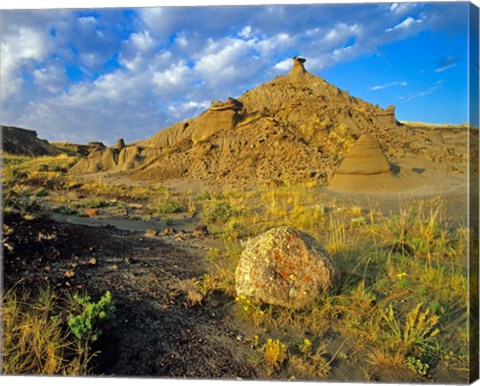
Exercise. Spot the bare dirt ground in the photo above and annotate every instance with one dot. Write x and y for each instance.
(164, 326)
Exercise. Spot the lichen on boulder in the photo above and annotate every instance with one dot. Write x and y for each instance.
(285, 267)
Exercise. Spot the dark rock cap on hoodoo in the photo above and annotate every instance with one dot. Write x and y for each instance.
(297, 73)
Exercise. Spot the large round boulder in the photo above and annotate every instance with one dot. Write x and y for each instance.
(286, 267)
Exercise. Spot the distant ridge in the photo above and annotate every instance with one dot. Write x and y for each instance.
(18, 141)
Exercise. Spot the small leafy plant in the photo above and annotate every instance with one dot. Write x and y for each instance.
(92, 318)
(219, 212)
(171, 206)
(66, 210)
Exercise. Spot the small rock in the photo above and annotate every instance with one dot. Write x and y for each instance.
(46, 236)
(181, 234)
(91, 212)
(114, 267)
(7, 230)
(8, 246)
(129, 260)
(150, 232)
(92, 261)
(169, 231)
(69, 274)
(195, 297)
(200, 231)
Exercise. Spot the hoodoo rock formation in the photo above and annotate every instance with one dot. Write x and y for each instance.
(296, 127)
(298, 72)
(115, 159)
(365, 158)
(367, 169)
(120, 144)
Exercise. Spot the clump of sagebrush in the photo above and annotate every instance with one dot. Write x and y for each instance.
(89, 319)
(218, 212)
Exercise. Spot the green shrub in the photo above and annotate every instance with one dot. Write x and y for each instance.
(219, 212)
(171, 206)
(95, 203)
(92, 318)
(66, 210)
(207, 196)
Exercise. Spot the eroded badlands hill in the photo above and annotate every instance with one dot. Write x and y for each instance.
(296, 127)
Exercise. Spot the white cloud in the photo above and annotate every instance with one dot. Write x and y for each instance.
(405, 24)
(113, 86)
(22, 46)
(142, 41)
(173, 80)
(51, 78)
(115, 105)
(182, 41)
(246, 32)
(427, 91)
(225, 61)
(91, 60)
(280, 41)
(87, 20)
(344, 53)
(340, 33)
(283, 66)
(447, 67)
(154, 18)
(181, 110)
(319, 62)
(402, 8)
(391, 84)
(446, 62)
(134, 64)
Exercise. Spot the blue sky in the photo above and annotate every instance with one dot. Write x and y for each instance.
(101, 74)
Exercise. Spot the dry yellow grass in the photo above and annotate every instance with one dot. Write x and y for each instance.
(34, 340)
(380, 303)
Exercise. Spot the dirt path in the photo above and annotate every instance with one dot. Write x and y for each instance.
(164, 326)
